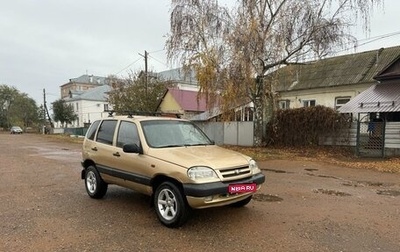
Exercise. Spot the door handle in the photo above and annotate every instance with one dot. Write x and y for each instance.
(94, 148)
(116, 154)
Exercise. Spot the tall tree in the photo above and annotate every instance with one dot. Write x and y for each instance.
(63, 112)
(137, 93)
(233, 49)
(17, 108)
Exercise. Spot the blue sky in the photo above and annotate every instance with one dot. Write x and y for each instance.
(45, 43)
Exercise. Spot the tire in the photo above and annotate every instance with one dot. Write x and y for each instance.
(95, 186)
(171, 207)
(243, 202)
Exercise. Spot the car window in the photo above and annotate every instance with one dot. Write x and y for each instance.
(106, 132)
(163, 134)
(127, 134)
(92, 130)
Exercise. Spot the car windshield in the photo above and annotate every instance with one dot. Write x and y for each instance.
(164, 134)
(16, 128)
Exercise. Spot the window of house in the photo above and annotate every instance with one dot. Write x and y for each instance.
(340, 101)
(105, 107)
(249, 114)
(77, 107)
(284, 104)
(308, 103)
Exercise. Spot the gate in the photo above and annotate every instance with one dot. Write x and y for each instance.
(371, 138)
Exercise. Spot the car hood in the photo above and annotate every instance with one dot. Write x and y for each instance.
(209, 155)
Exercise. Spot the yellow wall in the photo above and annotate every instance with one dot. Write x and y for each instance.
(169, 105)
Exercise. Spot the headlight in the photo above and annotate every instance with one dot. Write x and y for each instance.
(254, 167)
(201, 172)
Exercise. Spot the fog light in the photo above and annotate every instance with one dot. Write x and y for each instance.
(208, 198)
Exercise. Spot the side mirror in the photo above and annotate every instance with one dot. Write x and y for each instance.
(132, 148)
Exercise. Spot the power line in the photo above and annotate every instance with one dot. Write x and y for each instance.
(159, 61)
(157, 51)
(128, 65)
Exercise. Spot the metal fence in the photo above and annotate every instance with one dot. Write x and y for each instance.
(370, 140)
(230, 133)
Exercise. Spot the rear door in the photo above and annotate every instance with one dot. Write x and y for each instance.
(103, 149)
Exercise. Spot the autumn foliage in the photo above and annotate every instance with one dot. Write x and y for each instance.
(304, 126)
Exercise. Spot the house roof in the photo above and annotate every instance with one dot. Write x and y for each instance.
(336, 71)
(381, 97)
(188, 100)
(390, 72)
(94, 94)
(88, 79)
(178, 75)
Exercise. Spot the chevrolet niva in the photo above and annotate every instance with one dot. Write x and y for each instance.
(169, 159)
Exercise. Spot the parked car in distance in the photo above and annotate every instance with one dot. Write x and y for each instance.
(169, 159)
(16, 130)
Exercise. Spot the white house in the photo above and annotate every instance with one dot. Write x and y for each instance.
(89, 105)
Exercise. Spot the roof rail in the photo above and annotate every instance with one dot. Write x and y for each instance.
(131, 114)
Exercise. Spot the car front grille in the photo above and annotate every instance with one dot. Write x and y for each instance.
(235, 173)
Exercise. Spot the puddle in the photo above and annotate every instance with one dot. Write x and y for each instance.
(322, 176)
(311, 169)
(394, 193)
(55, 153)
(366, 183)
(266, 198)
(273, 170)
(331, 192)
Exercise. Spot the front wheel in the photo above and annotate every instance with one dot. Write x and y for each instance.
(95, 186)
(171, 208)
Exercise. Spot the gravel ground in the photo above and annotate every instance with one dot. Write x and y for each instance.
(304, 206)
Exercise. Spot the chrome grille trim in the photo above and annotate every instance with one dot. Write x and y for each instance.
(236, 172)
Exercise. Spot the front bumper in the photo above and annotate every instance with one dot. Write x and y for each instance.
(214, 188)
(216, 194)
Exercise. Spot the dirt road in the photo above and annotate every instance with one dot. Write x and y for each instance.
(303, 206)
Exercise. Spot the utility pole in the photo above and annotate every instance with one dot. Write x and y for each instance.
(145, 69)
(44, 111)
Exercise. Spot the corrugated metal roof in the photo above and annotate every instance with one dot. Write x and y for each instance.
(188, 100)
(90, 79)
(94, 94)
(383, 97)
(178, 75)
(336, 71)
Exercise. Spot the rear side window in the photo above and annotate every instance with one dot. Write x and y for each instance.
(127, 134)
(106, 132)
(92, 130)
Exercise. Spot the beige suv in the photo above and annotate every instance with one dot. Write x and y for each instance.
(169, 159)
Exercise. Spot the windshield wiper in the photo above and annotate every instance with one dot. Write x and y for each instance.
(171, 146)
(198, 144)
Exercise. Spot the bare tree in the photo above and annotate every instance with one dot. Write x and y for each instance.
(232, 49)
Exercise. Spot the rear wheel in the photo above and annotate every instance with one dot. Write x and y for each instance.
(171, 207)
(95, 186)
(242, 202)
